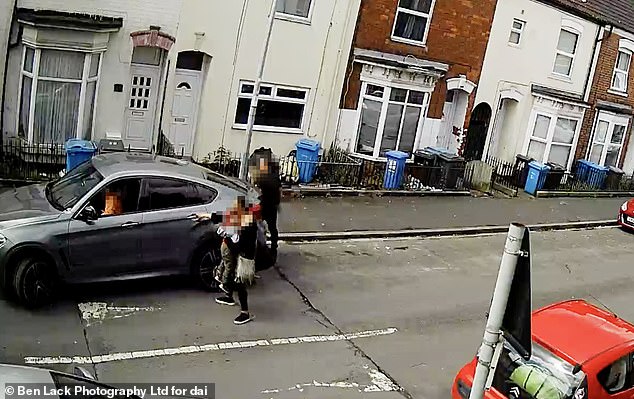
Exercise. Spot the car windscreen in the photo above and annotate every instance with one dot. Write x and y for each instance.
(65, 192)
(543, 376)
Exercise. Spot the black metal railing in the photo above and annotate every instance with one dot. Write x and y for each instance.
(22, 161)
(505, 174)
(588, 180)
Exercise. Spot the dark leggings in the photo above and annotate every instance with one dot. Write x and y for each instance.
(270, 216)
(241, 289)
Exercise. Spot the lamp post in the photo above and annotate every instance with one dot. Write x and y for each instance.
(256, 92)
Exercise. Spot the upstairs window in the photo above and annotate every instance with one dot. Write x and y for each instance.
(515, 37)
(621, 71)
(412, 21)
(294, 8)
(566, 50)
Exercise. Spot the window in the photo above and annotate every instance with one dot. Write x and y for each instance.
(294, 8)
(566, 49)
(118, 198)
(608, 138)
(201, 195)
(57, 95)
(619, 376)
(401, 110)
(621, 71)
(67, 383)
(517, 28)
(552, 139)
(67, 191)
(279, 108)
(165, 194)
(412, 20)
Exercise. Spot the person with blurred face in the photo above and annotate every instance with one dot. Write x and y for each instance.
(266, 178)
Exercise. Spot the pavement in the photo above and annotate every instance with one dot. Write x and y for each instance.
(315, 214)
(414, 309)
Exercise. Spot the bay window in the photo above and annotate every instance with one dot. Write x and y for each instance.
(389, 119)
(57, 95)
(608, 138)
(552, 138)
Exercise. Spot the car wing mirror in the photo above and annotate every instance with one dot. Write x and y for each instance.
(82, 372)
(89, 214)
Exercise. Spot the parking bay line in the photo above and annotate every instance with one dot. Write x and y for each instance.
(113, 357)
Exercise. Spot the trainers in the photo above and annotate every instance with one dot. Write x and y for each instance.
(226, 300)
(243, 318)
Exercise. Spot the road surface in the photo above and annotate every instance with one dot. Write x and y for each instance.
(384, 319)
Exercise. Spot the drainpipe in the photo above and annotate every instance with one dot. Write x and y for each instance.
(595, 60)
(6, 66)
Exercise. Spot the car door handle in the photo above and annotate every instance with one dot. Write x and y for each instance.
(130, 224)
(193, 216)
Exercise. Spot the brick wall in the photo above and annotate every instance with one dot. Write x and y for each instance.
(600, 91)
(458, 36)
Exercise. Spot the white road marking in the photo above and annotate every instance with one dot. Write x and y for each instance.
(113, 357)
(97, 312)
(379, 382)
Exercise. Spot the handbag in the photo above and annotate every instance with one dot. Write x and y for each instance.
(245, 272)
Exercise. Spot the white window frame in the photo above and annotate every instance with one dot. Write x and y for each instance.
(519, 31)
(385, 102)
(565, 54)
(296, 18)
(553, 115)
(35, 78)
(617, 70)
(273, 96)
(612, 120)
(429, 16)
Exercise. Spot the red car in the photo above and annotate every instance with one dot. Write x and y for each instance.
(626, 215)
(579, 352)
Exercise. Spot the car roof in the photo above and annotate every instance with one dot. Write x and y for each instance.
(15, 374)
(595, 330)
(134, 163)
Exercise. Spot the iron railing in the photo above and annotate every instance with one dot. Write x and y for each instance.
(22, 161)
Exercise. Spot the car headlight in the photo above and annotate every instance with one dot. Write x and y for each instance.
(3, 240)
(624, 207)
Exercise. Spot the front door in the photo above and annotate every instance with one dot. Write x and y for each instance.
(184, 111)
(110, 245)
(141, 107)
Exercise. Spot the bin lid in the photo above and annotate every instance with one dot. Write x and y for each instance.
(437, 150)
(538, 165)
(595, 166)
(615, 170)
(79, 145)
(585, 162)
(308, 144)
(397, 155)
(447, 157)
(524, 158)
(556, 166)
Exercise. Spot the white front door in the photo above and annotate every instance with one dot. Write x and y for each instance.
(184, 110)
(141, 107)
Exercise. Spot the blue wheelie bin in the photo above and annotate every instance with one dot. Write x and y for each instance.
(78, 151)
(536, 177)
(597, 175)
(307, 159)
(394, 169)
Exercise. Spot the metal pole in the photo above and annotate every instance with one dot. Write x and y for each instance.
(492, 332)
(256, 93)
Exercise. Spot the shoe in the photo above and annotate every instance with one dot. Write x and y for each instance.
(243, 318)
(226, 300)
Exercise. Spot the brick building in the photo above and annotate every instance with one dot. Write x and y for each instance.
(605, 136)
(412, 74)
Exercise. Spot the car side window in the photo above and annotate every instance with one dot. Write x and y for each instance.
(618, 376)
(117, 198)
(201, 195)
(165, 194)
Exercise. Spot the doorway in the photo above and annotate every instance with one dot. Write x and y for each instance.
(145, 72)
(477, 132)
(186, 101)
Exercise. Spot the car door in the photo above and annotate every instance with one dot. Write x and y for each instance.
(111, 244)
(170, 230)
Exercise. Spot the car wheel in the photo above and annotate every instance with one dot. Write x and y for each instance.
(204, 263)
(34, 282)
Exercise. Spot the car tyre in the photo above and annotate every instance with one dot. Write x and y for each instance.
(35, 282)
(204, 262)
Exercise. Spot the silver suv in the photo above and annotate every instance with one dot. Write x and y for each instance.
(117, 216)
